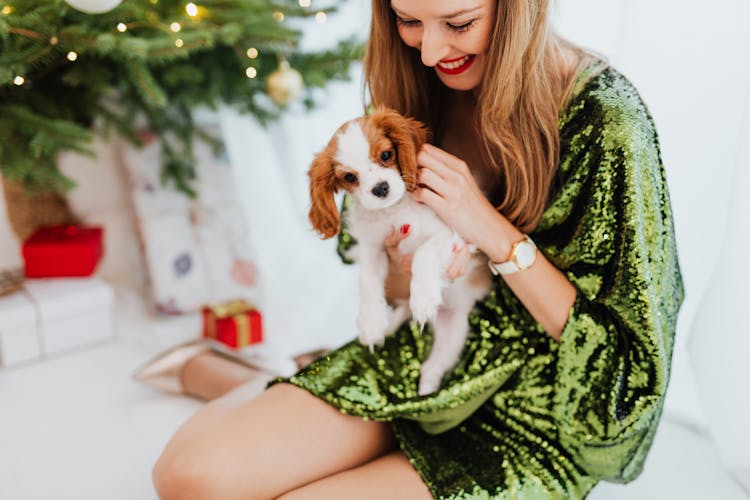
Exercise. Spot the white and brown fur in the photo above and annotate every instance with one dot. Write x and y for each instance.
(374, 159)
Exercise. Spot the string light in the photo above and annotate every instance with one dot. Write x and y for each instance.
(7, 10)
(251, 72)
(278, 16)
(320, 17)
(53, 40)
(72, 56)
(304, 3)
(18, 80)
(191, 9)
(121, 27)
(179, 42)
(175, 27)
(252, 53)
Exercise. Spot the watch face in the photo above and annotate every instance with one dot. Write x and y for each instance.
(525, 254)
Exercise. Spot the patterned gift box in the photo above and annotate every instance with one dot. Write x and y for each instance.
(196, 250)
(57, 251)
(237, 323)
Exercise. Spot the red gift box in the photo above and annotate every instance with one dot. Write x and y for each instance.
(236, 323)
(55, 251)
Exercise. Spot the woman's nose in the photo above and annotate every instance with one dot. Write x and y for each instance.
(434, 47)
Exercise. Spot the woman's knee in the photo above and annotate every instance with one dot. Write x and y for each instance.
(179, 476)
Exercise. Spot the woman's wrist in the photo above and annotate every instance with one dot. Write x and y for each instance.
(500, 237)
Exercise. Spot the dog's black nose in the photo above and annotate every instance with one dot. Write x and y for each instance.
(381, 189)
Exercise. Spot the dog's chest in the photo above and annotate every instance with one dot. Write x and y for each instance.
(374, 225)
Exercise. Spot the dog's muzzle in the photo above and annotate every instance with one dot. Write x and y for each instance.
(381, 189)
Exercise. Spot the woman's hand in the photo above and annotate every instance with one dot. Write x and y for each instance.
(398, 280)
(399, 264)
(447, 187)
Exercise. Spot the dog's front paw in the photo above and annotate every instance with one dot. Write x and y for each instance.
(424, 302)
(373, 326)
(429, 378)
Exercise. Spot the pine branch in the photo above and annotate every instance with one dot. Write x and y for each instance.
(62, 70)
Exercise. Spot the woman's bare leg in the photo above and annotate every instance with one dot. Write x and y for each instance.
(262, 448)
(208, 376)
(390, 476)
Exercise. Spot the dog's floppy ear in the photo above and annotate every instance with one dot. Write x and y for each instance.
(324, 214)
(408, 135)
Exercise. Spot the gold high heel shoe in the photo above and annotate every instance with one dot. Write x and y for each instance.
(163, 372)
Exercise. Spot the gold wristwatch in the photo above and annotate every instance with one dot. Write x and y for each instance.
(522, 256)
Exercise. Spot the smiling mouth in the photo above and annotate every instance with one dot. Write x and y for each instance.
(456, 66)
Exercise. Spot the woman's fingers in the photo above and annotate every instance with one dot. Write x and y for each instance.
(459, 264)
(431, 162)
(391, 242)
(429, 179)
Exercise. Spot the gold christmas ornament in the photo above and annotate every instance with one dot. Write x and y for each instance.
(93, 6)
(285, 84)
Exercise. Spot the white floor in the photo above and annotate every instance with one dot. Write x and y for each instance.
(76, 427)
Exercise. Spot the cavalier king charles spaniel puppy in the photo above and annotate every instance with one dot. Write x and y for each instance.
(374, 159)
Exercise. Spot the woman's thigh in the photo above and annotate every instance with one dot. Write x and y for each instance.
(264, 447)
(390, 476)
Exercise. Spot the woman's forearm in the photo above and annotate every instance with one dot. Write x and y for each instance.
(543, 289)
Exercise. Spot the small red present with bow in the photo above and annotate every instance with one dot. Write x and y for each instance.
(56, 251)
(237, 323)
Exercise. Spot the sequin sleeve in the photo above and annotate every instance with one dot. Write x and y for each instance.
(346, 243)
(615, 349)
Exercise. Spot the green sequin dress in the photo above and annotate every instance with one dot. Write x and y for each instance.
(521, 415)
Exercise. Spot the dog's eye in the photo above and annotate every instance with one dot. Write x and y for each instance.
(350, 177)
(385, 156)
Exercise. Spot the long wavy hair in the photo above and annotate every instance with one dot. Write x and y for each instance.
(523, 89)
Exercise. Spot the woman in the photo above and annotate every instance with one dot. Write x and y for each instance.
(562, 379)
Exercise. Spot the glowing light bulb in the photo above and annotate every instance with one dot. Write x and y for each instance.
(72, 56)
(252, 53)
(179, 42)
(304, 3)
(278, 16)
(321, 17)
(191, 9)
(251, 72)
(175, 27)
(121, 27)
(18, 80)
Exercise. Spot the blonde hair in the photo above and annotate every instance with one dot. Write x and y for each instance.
(519, 99)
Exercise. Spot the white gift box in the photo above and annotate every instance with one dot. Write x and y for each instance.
(19, 341)
(72, 312)
(51, 316)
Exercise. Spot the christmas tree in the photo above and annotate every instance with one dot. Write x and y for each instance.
(71, 68)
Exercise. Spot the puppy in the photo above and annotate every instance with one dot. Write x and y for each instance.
(374, 159)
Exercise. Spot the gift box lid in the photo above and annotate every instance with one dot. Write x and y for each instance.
(16, 309)
(71, 235)
(57, 297)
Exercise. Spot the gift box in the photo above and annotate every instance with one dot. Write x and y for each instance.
(72, 312)
(196, 250)
(236, 323)
(19, 341)
(57, 251)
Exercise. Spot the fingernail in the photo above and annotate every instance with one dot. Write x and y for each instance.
(405, 229)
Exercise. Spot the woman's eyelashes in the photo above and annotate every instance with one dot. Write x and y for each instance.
(459, 28)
